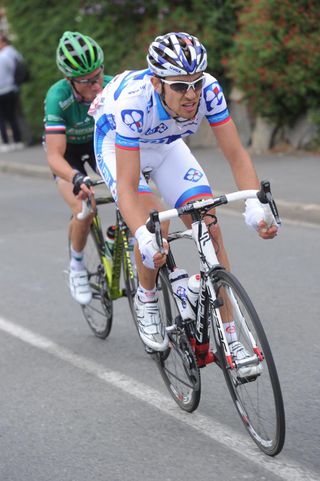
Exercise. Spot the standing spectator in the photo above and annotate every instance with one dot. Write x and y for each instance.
(9, 96)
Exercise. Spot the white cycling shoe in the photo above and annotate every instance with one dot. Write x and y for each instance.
(239, 353)
(151, 329)
(79, 286)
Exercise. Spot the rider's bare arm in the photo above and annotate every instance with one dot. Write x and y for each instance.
(239, 159)
(56, 147)
(242, 167)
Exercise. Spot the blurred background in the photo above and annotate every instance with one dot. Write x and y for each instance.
(265, 53)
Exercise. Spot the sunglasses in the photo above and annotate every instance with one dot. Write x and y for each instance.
(183, 87)
(90, 81)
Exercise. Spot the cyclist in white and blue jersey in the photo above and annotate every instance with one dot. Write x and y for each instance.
(141, 118)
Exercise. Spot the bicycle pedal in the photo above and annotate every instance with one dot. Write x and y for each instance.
(246, 380)
(149, 350)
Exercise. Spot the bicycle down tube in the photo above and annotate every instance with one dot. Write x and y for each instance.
(252, 380)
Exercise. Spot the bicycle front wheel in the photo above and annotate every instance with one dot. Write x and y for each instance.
(130, 278)
(258, 399)
(99, 312)
(178, 365)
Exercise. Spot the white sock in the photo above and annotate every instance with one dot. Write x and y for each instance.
(76, 261)
(230, 330)
(146, 295)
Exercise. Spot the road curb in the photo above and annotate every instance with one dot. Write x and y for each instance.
(289, 210)
(11, 167)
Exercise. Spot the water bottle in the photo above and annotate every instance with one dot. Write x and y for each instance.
(109, 242)
(179, 283)
(193, 293)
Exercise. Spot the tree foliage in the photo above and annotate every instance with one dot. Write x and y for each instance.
(276, 57)
(123, 28)
(269, 48)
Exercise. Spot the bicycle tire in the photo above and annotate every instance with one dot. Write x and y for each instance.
(177, 365)
(99, 312)
(258, 400)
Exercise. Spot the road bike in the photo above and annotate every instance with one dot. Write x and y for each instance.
(199, 342)
(104, 267)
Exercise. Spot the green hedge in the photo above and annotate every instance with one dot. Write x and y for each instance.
(269, 48)
(276, 57)
(124, 28)
(37, 27)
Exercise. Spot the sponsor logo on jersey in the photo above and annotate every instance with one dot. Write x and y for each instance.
(166, 140)
(64, 104)
(111, 121)
(55, 118)
(133, 119)
(157, 130)
(107, 176)
(182, 294)
(85, 121)
(213, 96)
(193, 175)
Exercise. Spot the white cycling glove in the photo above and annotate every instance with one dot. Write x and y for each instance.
(148, 246)
(256, 212)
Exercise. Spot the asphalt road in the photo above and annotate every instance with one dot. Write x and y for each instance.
(75, 408)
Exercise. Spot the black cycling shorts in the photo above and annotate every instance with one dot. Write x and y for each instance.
(77, 154)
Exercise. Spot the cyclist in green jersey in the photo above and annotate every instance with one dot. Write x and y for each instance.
(69, 140)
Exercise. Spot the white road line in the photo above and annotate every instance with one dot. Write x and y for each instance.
(283, 468)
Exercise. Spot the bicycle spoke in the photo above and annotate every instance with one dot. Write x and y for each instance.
(258, 399)
(177, 365)
(99, 312)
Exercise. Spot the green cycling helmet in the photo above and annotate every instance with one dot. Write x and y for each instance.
(78, 54)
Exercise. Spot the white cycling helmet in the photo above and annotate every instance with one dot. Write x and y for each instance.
(176, 53)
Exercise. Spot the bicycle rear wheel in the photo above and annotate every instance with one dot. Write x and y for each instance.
(258, 399)
(177, 365)
(99, 312)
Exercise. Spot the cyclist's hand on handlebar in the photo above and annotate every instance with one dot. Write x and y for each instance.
(82, 186)
(151, 257)
(260, 218)
(267, 232)
(160, 259)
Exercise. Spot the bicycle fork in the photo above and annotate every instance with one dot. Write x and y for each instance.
(208, 303)
(201, 340)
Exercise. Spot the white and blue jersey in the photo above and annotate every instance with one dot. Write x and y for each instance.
(129, 115)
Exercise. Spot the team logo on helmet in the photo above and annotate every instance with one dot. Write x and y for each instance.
(193, 175)
(133, 119)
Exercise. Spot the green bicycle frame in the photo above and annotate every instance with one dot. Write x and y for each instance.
(121, 253)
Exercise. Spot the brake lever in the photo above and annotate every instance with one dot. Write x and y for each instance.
(154, 226)
(265, 197)
(86, 209)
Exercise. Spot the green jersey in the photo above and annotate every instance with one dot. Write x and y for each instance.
(65, 115)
